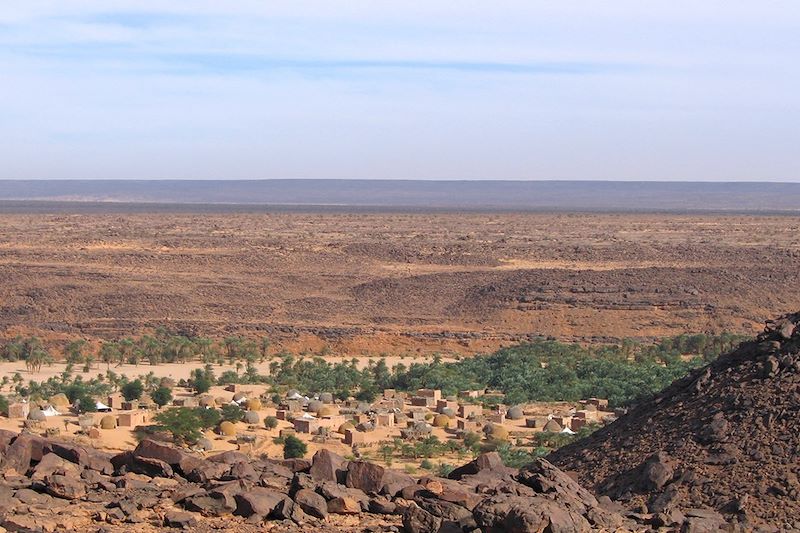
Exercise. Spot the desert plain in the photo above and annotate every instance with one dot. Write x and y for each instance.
(397, 284)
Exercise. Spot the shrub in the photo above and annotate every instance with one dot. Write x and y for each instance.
(132, 390)
(471, 439)
(162, 396)
(293, 447)
(202, 384)
(426, 464)
(444, 469)
(270, 422)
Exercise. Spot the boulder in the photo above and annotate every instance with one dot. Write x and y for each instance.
(296, 465)
(178, 459)
(394, 482)
(330, 490)
(252, 418)
(544, 478)
(463, 497)
(382, 505)
(365, 476)
(148, 466)
(486, 461)
(204, 444)
(52, 464)
(84, 457)
(657, 471)
(24, 449)
(344, 505)
(328, 466)
(207, 471)
(208, 505)
(261, 502)
(180, 519)
(243, 470)
(228, 457)
(68, 487)
(520, 514)
(417, 520)
(37, 415)
(311, 503)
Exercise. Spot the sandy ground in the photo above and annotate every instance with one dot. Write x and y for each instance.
(179, 371)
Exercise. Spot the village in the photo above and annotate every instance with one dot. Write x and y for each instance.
(348, 427)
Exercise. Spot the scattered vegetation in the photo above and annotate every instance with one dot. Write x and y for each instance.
(543, 370)
(293, 448)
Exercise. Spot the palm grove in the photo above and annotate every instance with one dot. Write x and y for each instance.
(543, 370)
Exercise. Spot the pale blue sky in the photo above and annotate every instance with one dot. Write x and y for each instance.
(625, 89)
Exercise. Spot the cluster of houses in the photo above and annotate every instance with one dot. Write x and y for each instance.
(129, 413)
(410, 416)
(417, 415)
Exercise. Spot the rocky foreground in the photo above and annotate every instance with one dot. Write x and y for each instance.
(718, 450)
(49, 485)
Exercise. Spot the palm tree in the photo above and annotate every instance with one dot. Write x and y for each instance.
(232, 346)
(36, 359)
(109, 352)
(15, 349)
(73, 351)
(205, 347)
(264, 345)
(126, 348)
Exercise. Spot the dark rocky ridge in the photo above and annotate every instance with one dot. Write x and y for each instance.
(725, 438)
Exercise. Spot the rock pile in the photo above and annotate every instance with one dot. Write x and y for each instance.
(49, 485)
(723, 443)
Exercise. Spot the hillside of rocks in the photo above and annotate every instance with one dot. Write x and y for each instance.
(725, 438)
(57, 486)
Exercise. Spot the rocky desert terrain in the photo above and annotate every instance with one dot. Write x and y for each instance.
(395, 283)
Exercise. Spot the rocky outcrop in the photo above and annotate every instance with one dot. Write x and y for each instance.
(721, 445)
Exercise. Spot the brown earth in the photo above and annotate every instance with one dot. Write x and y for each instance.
(396, 283)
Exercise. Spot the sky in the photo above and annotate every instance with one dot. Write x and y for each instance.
(205, 89)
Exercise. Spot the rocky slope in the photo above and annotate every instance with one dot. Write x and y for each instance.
(725, 439)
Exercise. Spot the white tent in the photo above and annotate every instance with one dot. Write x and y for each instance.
(295, 396)
(102, 408)
(50, 411)
(567, 431)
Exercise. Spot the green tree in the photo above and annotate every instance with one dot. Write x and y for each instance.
(202, 384)
(132, 390)
(294, 448)
(232, 413)
(184, 423)
(270, 422)
(161, 396)
(110, 353)
(73, 351)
